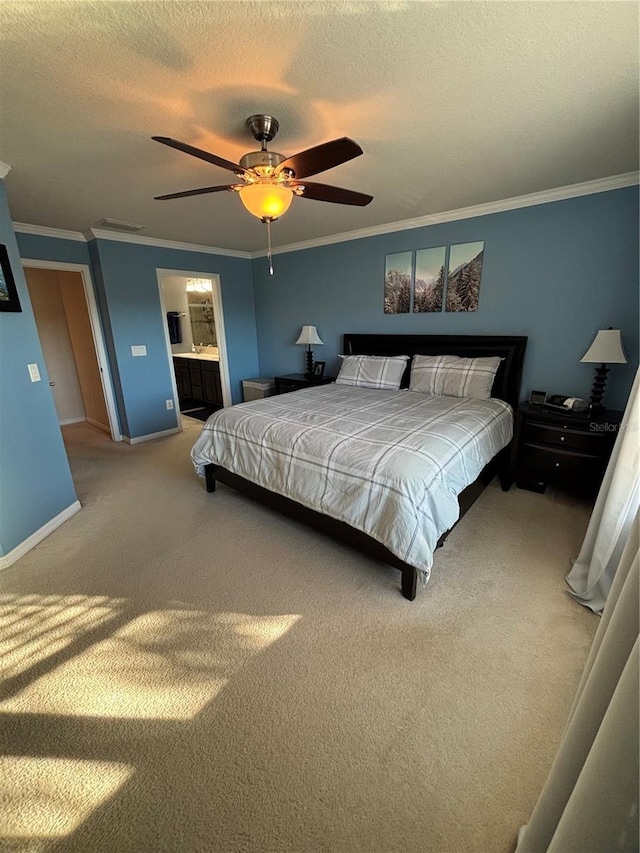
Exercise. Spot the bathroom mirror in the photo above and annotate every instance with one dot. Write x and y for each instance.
(201, 317)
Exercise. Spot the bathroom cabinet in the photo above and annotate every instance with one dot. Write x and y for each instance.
(198, 380)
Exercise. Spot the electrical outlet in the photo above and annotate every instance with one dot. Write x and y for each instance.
(138, 349)
(34, 373)
(169, 404)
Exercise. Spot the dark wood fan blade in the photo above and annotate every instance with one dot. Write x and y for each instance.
(338, 195)
(321, 157)
(200, 191)
(198, 152)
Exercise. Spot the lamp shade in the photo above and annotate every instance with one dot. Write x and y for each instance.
(309, 335)
(266, 201)
(606, 348)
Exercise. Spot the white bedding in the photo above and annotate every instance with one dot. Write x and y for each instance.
(389, 463)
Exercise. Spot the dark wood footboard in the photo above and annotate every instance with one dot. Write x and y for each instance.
(339, 529)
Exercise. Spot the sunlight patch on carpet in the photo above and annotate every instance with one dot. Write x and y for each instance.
(44, 798)
(35, 627)
(165, 664)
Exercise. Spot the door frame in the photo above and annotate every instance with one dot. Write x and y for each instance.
(218, 315)
(96, 331)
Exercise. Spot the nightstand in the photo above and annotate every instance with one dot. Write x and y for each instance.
(562, 448)
(296, 381)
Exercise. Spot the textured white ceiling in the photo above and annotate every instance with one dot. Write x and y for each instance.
(454, 104)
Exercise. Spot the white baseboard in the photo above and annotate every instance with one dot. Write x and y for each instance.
(68, 421)
(152, 435)
(31, 542)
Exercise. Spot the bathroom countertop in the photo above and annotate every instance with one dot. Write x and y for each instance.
(199, 356)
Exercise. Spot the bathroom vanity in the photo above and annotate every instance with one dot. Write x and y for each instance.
(198, 378)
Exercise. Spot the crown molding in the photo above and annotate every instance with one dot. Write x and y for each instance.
(600, 185)
(5, 168)
(45, 231)
(615, 182)
(100, 234)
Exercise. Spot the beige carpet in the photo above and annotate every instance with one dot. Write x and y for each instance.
(192, 672)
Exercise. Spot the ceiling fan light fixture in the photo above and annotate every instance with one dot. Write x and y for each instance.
(267, 201)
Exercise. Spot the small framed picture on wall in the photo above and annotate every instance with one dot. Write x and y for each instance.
(318, 369)
(8, 294)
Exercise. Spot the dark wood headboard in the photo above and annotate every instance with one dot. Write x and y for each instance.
(506, 385)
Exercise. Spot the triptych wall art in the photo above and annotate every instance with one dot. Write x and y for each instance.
(417, 281)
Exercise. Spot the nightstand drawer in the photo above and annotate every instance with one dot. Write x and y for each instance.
(284, 387)
(561, 436)
(560, 464)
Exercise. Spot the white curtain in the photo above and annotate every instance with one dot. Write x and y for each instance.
(592, 574)
(589, 803)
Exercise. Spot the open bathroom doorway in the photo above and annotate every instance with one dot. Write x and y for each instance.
(193, 320)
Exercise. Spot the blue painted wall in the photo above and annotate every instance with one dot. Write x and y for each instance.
(127, 293)
(556, 272)
(127, 283)
(37, 248)
(35, 480)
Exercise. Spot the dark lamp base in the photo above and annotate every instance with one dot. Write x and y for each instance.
(309, 364)
(599, 384)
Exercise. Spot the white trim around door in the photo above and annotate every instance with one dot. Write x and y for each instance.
(96, 330)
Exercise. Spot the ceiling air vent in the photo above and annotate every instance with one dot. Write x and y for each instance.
(119, 225)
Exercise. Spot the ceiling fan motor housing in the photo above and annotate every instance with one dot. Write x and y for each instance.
(261, 158)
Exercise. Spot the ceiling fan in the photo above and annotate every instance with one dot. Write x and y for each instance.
(268, 180)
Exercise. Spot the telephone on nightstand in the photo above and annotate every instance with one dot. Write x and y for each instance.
(573, 404)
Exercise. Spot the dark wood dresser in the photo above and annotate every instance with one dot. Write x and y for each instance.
(561, 448)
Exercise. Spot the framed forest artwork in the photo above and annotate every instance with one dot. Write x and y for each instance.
(397, 283)
(9, 300)
(428, 287)
(463, 280)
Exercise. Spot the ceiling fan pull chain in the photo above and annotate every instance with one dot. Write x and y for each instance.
(269, 247)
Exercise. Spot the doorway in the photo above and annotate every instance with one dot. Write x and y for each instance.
(66, 316)
(193, 319)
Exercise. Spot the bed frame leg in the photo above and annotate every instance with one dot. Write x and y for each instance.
(210, 477)
(409, 582)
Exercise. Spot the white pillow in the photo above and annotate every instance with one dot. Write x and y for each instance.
(372, 371)
(453, 376)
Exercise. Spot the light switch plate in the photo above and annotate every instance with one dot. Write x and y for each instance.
(34, 373)
(139, 349)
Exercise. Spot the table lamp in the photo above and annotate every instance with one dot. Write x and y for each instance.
(605, 349)
(309, 335)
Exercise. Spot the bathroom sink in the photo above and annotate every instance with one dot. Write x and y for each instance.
(200, 356)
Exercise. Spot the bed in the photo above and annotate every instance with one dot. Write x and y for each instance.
(388, 471)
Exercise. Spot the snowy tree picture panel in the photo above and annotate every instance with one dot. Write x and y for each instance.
(463, 281)
(397, 283)
(428, 288)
